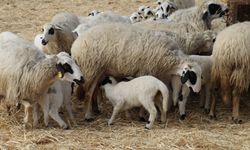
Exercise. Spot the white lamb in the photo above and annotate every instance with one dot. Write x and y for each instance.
(181, 92)
(140, 91)
(135, 17)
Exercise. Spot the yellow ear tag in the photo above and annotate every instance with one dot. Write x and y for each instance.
(60, 75)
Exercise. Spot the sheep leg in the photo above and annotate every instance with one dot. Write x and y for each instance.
(68, 106)
(176, 85)
(35, 115)
(213, 104)
(202, 98)
(89, 97)
(236, 103)
(150, 107)
(55, 116)
(95, 101)
(27, 109)
(158, 104)
(207, 98)
(116, 110)
(182, 101)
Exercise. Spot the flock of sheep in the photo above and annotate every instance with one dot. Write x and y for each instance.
(153, 58)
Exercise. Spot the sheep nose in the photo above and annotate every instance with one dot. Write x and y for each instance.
(79, 82)
(44, 42)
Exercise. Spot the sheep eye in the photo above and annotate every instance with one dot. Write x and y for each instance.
(135, 17)
(146, 17)
(159, 3)
(89, 14)
(51, 31)
(142, 9)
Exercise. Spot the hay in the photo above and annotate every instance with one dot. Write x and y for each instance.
(196, 132)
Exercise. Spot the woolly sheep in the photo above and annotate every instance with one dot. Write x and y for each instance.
(230, 71)
(33, 73)
(181, 92)
(125, 50)
(200, 16)
(57, 35)
(140, 91)
(180, 4)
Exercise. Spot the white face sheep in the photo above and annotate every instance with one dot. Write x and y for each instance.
(160, 14)
(135, 17)
(148, 13)
(33, 72)
(230, 71)
(127, 53)
(140, 91)
(168, 8)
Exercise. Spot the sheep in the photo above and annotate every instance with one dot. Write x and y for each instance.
(33, 73)
(180, 4)
(230, 70)
(59, 93)
(142, 8)
(135, 17)
(160, 14)
(168, 8)
(194, 19)
(57, 35)
(140, 91)
(125, 50)
(148, 13)
(181, 92)
(201, 15)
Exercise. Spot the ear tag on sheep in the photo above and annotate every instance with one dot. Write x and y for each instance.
(60, 75)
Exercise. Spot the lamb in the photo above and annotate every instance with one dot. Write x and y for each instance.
(180, 4)
(140, 91)
(33, 73)
(57, 35)
(168, 8)
(230, 70)
(181, 92)
(58, 94)
(125, 50)
(195, 19)
(148, 13)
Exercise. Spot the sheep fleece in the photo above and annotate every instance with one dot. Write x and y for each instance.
(125, 49)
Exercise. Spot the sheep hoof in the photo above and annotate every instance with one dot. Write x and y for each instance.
(148, 127)
(142, 119)
(89, 119)
(212, 117)
(206, 110)
(183, 117)
(237, 121)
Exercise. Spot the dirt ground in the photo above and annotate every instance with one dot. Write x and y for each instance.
(26, 17)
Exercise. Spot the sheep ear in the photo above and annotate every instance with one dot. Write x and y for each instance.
(192, 77)
(214, 8)
(60, 69)
(184, 77)
(57, 27)
(205, 15)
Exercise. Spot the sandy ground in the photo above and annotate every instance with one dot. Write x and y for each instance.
(196, 132)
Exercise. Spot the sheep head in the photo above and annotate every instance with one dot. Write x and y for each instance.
(49, 32)
(68, 70)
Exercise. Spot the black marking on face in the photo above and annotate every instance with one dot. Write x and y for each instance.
(51, 31)
(163, 16)
(106, 81)
(162, 8)
(214, 40)
(189, 75)
(150, 13)
(168, 8)
(205, 16)
(89, 14)
(135, 18)
(60, 68)
(180, 97)
(139, 13)
(42, 29)
(146, 17)
(68, 68)
(142, 9)
(148, 122)
(51, 90)
(214, 8)
(159, 3)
